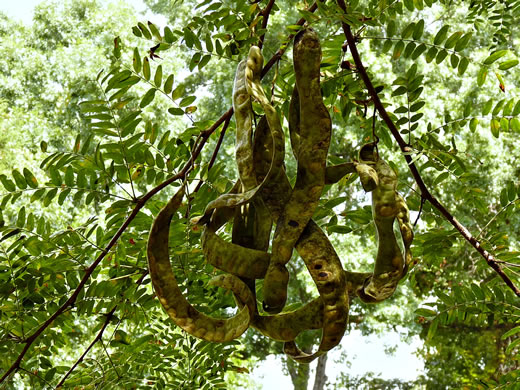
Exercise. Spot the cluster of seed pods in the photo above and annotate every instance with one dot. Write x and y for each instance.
(263, 197)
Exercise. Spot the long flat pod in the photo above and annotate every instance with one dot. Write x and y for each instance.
(387, 205)
(235, 259)
(252, 224)
(288, 325)
(254, 87)
(315, 133)
(175, 304)
(244, 128)
(252, 263)
(318, 254)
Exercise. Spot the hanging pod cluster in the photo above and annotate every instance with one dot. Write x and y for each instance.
(262, 197)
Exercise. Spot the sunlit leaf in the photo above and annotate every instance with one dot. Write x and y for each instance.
(495, 127)
(508, 64)
(157, 80)
(495, 56)
(146, 68)
(30, 179)
(441, 35)
(168, 84)
(19, 179)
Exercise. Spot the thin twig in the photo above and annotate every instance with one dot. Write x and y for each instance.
(96, 339)
(420, 211)
(496, 216)
(36, 375)
(215, 152)
(490, 259)
(265, 14)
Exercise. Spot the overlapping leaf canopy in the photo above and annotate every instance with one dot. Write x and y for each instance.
(440, 76)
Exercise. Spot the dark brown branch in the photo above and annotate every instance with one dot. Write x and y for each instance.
(425, 193)
(215, 152)
(141, 278)
(96, 339)
(265, 14)
(204, 135)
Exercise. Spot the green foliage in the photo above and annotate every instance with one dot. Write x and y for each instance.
(83, 156)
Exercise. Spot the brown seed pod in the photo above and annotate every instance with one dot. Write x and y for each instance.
(247, 84)
(263, 194)
(175, 304)
(387, 206)
(317, 252)
(244, 129)
(250, 75)
(314, 138)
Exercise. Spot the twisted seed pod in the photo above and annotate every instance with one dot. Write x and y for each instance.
(387, 206)
(272, 121)
(252, 223)
(258, 219)
(246, 256)
(318, 254)
(250, 75)
(314, 138)
(335, 173)
(232, 258)
(287, 326)
(224, 214)
(244, 128)
(169, 294)
(367, 176)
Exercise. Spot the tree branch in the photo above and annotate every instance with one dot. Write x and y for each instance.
(203, 136)
(96, 339)
(425, 193)
(265, 14)
(215, 152)
(139, 205)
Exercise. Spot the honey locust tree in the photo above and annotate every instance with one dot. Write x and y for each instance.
(78, 307)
